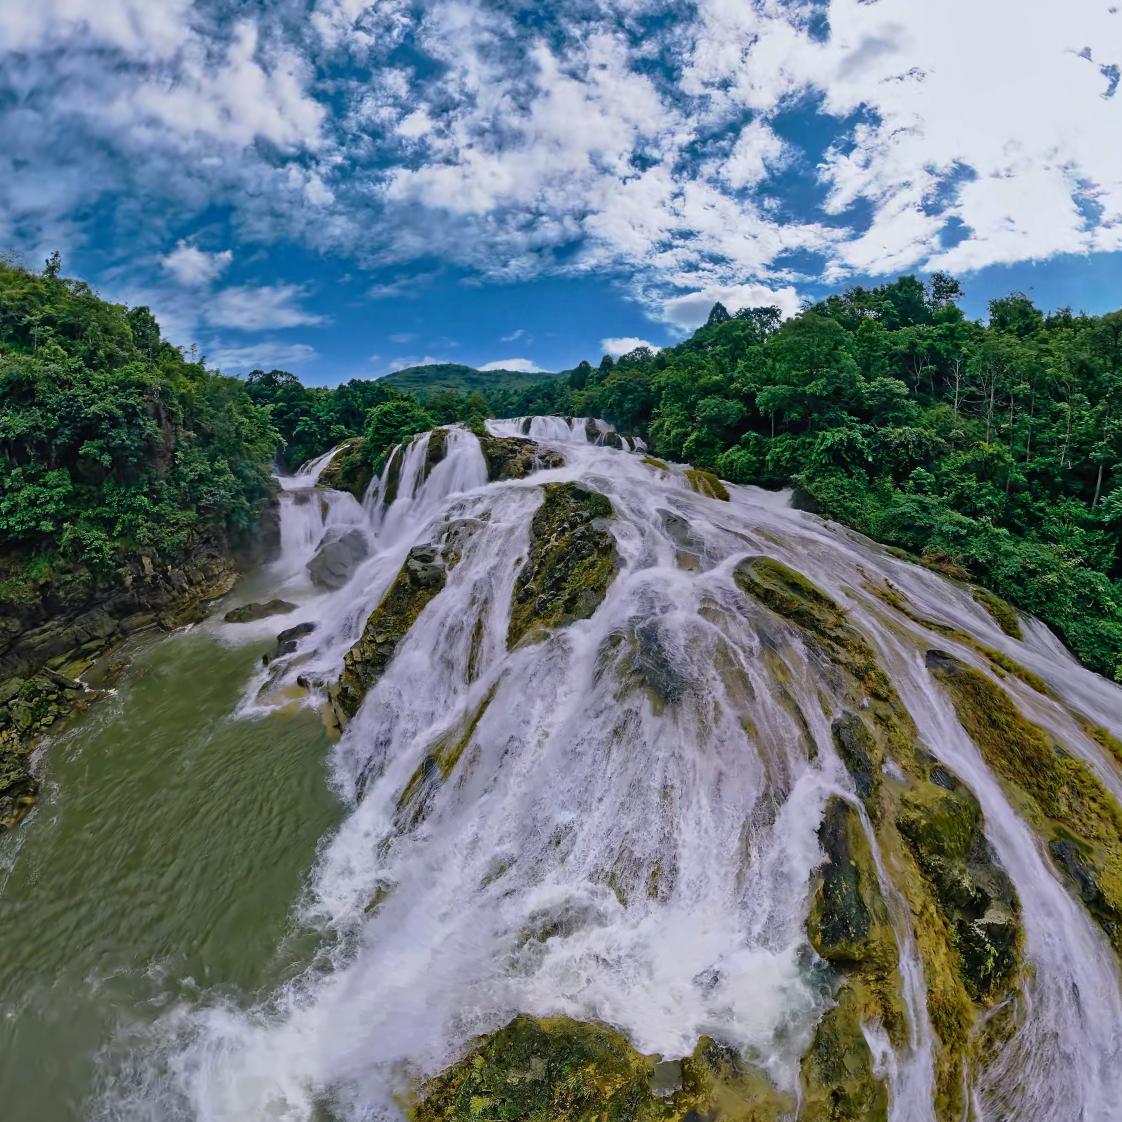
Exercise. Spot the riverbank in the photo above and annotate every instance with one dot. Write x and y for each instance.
(48, 645)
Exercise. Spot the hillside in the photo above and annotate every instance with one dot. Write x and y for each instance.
(439, 377)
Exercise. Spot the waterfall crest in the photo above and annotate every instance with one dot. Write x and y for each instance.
(620, 818)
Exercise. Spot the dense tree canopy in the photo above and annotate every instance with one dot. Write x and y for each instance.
(992, 449)
(111, 442)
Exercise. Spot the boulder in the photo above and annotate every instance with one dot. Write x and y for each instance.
(250, 613)
(337, 557)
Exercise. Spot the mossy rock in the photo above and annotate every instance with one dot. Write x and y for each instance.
(351, 469)
(514, 457)
(554, 1069)
(943, 827)
(420, 578)
(1059, 794)
(848, 924)
(437, 766)
(1002, 612)
(875, 730)
(571, 563)
(839, 1084)
(18, 788)
(706, 483)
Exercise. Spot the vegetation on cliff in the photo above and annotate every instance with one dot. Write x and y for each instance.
(112, 442)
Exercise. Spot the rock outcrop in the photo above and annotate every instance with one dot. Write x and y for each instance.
(251, 613)
(514, 457)
(571, 562)
(337, 557)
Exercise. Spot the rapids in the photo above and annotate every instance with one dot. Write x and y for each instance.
(605, 850)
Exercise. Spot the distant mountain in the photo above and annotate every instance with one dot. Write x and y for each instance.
(425, 380)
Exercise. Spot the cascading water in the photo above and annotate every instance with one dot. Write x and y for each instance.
(629, 825)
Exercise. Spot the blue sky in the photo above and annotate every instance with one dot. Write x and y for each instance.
(341, 188)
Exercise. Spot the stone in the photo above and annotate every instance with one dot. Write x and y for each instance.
(337, 557)
(250, 613)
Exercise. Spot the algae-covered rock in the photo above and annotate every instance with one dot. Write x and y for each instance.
(571, 562)
(421, 577)
(1001, 611)
(943, 827)
(848, 923)
(337, 557)
(250, 613)
(706, 483)
(873, 732)
(553, 1069)
(514, 457)
(1061, 796)
(18, 787)
(350, 469)
(839, 1084)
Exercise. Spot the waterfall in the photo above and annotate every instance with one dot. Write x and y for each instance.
(630, 828)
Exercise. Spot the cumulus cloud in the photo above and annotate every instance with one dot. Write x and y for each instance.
(587, 140)
(260, 356)
(690, 310)
(192, 266)
(521, 365)
(624, 345)
(260, 308)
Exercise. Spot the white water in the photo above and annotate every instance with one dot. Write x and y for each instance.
(592, 856)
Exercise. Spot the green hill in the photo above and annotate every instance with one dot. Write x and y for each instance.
(426, 380)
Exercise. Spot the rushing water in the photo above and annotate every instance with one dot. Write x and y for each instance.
(167, 955)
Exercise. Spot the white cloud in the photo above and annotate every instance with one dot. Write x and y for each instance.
(622, 346)
(263, 308)
(514, 336)
(521, 365)
(577, 145)
(192, 266)
(259, 356)
(690, 310)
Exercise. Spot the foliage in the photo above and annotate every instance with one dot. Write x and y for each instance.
(990, 449)
(112, 443)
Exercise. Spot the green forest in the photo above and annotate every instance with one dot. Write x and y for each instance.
(989, 450)
(112, 443)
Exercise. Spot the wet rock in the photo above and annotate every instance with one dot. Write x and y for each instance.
(973, 892)
(288, 641)
(839, 1084)
(350, 469)
(337, 557)
(859, 752)
(420, 578)
(1063, 799)
(706, 483)
(571, 563)
(250, 613)
(512, 457)
(560, 1070)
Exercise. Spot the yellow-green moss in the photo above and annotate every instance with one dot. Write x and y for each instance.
(1003, 613)
(706, 483)
(889, 594)
(571, 562)
(874, 729)
(650, 461)
(554, 1069)
(1078, 818)
(350, 469)
(848, 923)
(441, 759)
(386, 626)
(839, 1084)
